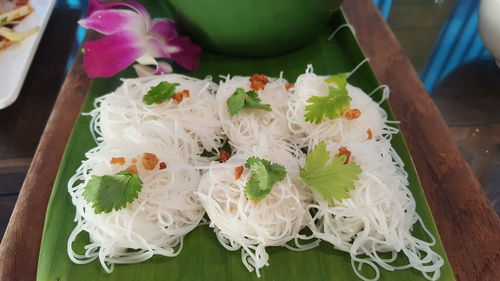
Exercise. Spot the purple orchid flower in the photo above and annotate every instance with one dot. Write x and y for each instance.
(131, 35)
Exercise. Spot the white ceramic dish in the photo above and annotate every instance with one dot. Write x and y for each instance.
(15, 61)
(489, 26)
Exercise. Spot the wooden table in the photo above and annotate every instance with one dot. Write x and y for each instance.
(469, 228)
(24, 121)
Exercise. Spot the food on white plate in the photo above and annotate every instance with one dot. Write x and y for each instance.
(11, 13)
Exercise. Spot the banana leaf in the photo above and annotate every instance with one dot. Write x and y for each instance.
(202, 257)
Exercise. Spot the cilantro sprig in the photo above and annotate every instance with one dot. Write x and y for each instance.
(113, 191)
(334, 105)
(339, 79)
(241, 99)
(263, 175)
(332, 180)
(159, 93)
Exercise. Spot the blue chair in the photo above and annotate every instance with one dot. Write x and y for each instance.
(384, 7)
(458, 42)
(80, 31)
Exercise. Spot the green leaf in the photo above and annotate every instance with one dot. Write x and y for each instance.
(264, 175)
(161, 92)
(333, 181)
(241, 99)
(208, 154)
(3, 21)
(338, 79)
(334, 105)
(236, 102)
(225, 146)
(252, 100)
(114, 191)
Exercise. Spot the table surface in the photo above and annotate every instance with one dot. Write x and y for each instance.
(467, 224)
(23, 122)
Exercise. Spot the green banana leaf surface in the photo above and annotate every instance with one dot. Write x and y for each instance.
(202, 257)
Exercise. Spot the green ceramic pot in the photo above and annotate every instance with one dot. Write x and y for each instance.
(253, 28)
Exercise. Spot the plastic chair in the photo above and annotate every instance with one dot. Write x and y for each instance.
(384, 7)
(458, 42)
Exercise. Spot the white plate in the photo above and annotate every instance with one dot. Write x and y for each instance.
(15, 61)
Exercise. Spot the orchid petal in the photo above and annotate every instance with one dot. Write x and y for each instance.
(163, 68)
(95, 5)
(132, 36)
(164, 28)
(180, 49)
(158, 49)
(112, 21)
(145, 70)
(107, 56)
(146, 59)
(188, 56)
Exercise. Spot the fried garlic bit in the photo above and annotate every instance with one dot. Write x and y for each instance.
(179, 96)
(163, 165)
(238, 171)
(133, 169)
(352, 114)
(224, 156)
(149, 161)
(369, 133)
(117, 160)
(258, 81)
(344, 151)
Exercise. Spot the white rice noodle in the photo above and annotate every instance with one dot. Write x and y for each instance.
(253, 226)
(378, 217)
(372, 117)
(195, 117)
(153, 224)
(250, 126)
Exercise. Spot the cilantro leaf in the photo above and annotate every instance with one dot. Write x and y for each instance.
(338, 79)
(161, 92)
(332, 106)
(264, 175)
(241, 99)
(236, 102)
(334, 180)
(3, 21)
(114, 191)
